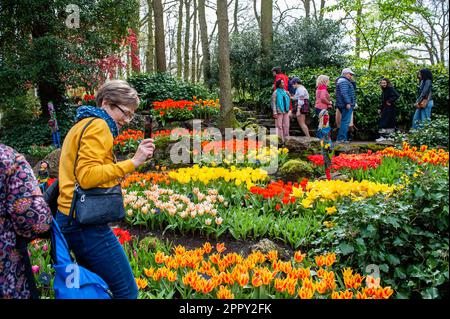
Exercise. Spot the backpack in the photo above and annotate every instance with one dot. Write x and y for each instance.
(72, 281)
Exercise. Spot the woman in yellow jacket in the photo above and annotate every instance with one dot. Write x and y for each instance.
(95, 246)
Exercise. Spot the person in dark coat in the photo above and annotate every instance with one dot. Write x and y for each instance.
(387, 109)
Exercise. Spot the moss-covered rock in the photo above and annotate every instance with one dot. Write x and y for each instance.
(296, 169)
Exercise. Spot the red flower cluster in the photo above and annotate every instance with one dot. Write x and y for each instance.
(89, 97)
(352, 161)
(123, 235)
(171, 104)
(279, 189)
(127, 135)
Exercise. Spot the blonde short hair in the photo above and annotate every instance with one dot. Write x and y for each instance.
(117, 92)
(322, 79)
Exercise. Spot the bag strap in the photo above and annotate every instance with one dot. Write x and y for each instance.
(78, 149)
(72, 206)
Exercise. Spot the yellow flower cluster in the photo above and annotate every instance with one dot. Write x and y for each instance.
(208, 174)
(266, 154)
(335, 189)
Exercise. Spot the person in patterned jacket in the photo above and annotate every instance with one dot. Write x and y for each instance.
(24, 216)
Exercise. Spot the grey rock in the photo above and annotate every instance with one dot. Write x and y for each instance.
(299, 144)
(265, 245)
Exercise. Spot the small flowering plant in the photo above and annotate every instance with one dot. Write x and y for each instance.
(156, 207)
(128, 141)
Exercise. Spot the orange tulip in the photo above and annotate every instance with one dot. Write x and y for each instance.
(256, 281)
(298, 256)
(141, 283)
(220, 247)
(305, 293)
(207, 247)
(224, 293)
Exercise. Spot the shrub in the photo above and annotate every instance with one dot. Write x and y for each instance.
(36, 130)
(432, 134)
(163, 86)
(296, 168)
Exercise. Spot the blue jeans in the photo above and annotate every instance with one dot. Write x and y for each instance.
(346, 116)
(422, 115)
(97, 249)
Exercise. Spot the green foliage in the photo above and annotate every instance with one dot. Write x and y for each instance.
(303, 43)
(368, 93)
(36, 131)
(432, 134)
(405, 236)
(18, 109)
(162, 86)
(38, 47)
(40, 151)
(376, 24)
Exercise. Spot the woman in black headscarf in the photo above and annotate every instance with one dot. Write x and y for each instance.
(387, 109)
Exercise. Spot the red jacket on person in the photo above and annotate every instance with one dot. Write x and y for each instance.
(283, 77)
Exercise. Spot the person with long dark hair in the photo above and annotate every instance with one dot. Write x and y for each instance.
(387, 109)
(280, 108)
(424, 102)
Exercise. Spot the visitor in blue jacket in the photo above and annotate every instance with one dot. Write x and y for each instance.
(345, 101)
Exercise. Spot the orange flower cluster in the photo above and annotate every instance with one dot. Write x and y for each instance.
(223, 276)
(420, 155)
(145, 179)
(129, 135)
(178, 132)
(171, 104)
(206, 103)
(234, 146)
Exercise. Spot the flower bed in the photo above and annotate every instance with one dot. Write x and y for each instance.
(170, 110)
(205, 273)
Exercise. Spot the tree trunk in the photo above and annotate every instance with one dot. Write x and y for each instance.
(149, 67)
(205, 44)
(322, 7)
(194, 43)
(257, 17)
(266, 26)
(159, 36)
(236, 8)
(179, 34)
(226, 106)
(358, 30)
(187, 30)
(307, 6)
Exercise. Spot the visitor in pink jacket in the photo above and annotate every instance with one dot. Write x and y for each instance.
(323, 101)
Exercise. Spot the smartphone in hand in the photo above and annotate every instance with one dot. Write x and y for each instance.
(148, 126)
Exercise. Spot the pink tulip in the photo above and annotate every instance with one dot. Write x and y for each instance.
(35, 269)
(29, 253)
(45, 247)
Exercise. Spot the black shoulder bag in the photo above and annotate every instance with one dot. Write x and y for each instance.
(96, 205)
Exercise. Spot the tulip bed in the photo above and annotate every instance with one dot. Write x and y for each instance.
(222, 201)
